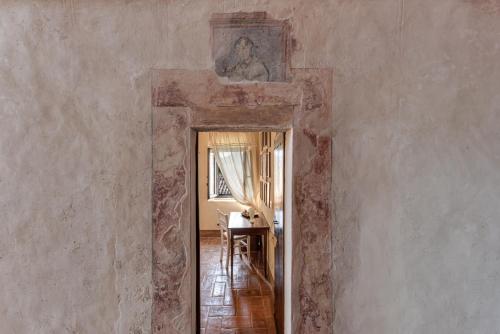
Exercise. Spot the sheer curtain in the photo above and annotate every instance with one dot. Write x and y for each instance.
(235, 153)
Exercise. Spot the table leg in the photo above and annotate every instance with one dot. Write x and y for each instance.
(265, 254)
(231, 246)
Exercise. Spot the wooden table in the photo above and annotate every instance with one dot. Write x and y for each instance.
(239, 225)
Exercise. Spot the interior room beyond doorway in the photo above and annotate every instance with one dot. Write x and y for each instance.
(240, 213)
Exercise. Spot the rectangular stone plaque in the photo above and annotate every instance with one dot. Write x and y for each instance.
(249, 47)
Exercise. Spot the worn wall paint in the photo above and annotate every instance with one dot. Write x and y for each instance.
(416, 149)
(416, 167)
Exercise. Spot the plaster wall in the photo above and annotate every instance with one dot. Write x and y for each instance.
(416, 166)
(416, 157)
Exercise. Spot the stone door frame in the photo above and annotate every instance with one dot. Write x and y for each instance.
(184, 102)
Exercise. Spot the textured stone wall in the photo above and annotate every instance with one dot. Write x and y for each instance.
(416, 163)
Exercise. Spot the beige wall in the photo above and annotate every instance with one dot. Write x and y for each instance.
(416, 163)
(416, 166)
(208, 208)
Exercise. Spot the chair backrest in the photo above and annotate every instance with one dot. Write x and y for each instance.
(222, 220)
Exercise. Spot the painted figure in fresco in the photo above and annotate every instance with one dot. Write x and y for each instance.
(242, 63)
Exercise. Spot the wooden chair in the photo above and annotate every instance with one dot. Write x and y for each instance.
(239, 240)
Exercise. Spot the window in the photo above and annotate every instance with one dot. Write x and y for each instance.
(217, 187)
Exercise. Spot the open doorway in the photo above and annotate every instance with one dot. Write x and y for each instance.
(241, 222)
(185, 102)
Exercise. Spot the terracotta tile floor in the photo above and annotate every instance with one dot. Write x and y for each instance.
(241, 305)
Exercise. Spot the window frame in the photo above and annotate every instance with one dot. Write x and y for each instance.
(213, 169)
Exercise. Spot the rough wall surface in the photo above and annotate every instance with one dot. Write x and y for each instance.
(417, 166)
(416, 157)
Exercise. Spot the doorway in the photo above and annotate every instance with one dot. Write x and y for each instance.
(184, 102)
(241, 196)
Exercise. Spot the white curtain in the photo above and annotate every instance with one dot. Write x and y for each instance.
(234, 153)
